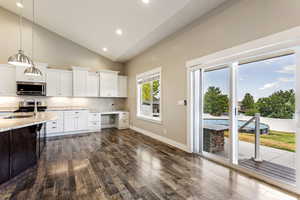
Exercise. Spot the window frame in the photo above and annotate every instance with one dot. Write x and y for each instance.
(146, 75)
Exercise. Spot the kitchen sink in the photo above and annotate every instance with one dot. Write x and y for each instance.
(18, 116)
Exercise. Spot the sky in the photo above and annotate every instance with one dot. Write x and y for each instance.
(260, 79)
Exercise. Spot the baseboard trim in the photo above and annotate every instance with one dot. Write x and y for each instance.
(160, 138)
(49, 135)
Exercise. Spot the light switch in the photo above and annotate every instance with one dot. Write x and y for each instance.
(181, 103)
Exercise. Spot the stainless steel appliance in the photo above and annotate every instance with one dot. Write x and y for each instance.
(31, 89)
(29, 106)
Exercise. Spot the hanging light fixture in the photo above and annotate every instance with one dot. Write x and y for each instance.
(20, 59)
(33, 70)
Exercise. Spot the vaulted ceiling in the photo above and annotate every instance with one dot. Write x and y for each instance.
(93, 23)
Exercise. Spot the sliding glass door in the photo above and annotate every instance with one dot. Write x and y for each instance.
(244, 113)
(215, 115)
(266, 92)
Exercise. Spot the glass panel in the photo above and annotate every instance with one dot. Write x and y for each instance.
(267, 88)
(156, 98)
(215, 116)
(146, 106)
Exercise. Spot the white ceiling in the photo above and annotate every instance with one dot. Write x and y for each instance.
(92, 23)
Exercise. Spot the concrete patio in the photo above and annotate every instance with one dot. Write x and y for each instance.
(277, 156)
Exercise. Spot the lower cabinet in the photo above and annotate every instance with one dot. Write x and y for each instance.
(20, 150)
(94, 121)
(123, 120)
(56, 126)
(23, 149)
(4, 155)
(76, 120)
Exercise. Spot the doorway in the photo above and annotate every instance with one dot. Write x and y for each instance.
(244, 114)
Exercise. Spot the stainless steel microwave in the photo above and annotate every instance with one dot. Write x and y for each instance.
(31, 88)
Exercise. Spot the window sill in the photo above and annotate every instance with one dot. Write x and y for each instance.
(149, 119)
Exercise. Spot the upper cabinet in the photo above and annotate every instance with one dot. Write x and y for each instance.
(93, 84)
(20, 76)
(122, 86)
(59, 83)
(76, 83)
(7, 80)
(80, 81)
(108, 83)
(66, 83)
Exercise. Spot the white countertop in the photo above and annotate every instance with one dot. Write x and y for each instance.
(10, 124)
(63, 108)
(67, 108)
(8, 109)
(108, 112)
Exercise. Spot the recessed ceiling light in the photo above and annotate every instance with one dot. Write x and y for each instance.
(20, 5)
(146, 1)
(104, 49)
(119, 32)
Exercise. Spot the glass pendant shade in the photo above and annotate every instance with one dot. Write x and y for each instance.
(20, 59)
(33, 71)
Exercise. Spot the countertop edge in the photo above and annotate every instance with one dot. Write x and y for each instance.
(44, 117)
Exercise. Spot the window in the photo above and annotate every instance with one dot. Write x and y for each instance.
(149, 95)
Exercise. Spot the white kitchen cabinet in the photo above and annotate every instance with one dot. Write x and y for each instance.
(20, 76)
(7, 80)
(93, 85)
(69, 124)
(80, 78)
(66, 83)
(53, 84)
(56, 126)
(59, 83)
(123, 120)
(122, 86)
(94, 122)
(108, 83)
(76, 120)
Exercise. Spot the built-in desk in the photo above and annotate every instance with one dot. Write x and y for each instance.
(115, 119)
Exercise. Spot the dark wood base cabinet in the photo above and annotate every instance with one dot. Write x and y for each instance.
(19, 150)
(4, 156)
(23, 149)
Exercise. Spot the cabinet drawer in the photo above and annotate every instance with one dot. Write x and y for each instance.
(51, 128)
(94, 117)
(124, 115)
(75, 113)
(94, 126)
(98, 124)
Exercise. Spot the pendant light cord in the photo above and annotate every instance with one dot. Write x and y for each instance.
(33, 27)
(21, 25)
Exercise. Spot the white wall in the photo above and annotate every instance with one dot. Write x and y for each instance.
(49, 47)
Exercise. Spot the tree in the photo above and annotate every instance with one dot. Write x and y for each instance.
(248, 102)
(280, 104)
(215, 103)
(146, 93)
(251, 112)
(156, 90)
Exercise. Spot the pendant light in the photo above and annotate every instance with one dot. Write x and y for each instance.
(20, 59)
(33, 70)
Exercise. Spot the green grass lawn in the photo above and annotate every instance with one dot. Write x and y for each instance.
(275, 139)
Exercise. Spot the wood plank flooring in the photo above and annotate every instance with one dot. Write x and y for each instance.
(117, 164)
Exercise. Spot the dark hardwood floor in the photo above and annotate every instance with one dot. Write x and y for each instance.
(126, 165)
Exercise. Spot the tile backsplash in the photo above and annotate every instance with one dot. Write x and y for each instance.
(101, 104)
